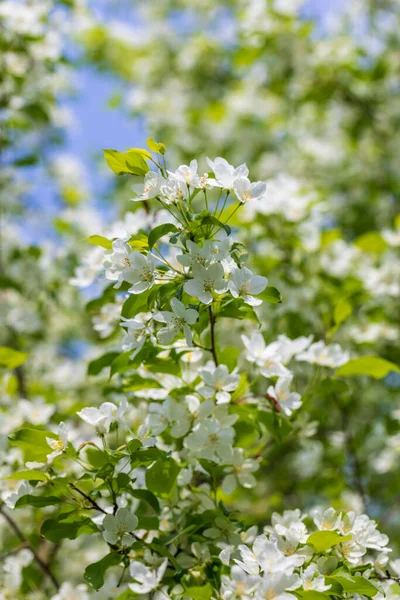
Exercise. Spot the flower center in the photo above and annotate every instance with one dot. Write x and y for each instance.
(244, 289)
(326, 525)
(240, 589)
(177, 322)
(219, 384)
(126, 262)
(209, 285)
(146, 274)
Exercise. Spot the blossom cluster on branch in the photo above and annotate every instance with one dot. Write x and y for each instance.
(151, 483)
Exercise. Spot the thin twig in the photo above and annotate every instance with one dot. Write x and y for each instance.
(45, 567)
(93, 502)
(212, 325)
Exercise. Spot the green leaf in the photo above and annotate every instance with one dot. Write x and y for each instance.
(94, 573)
(132, 161)
(31, 475)
(10, 358)
(126, 595)
(56, 529)
(374, 366)
(148, 522)
(139, 242)
(121, 364)
(323, 540)
(329, 236)
(211, 220)
(154, 146)
(158, 232)
(144, 457)
(270, 294)
(203, 592)
(355, 584)
(162, 550)
(142, 151)
(341, 311)
(99, 240)
(372, 242)
(137, 303)
(238, 310)
(311, 595)
(147, 497)
(33, 443)
(38, 501)
(161, 476)
(276, 424)
(97, 365)
(97, 458)
(229, 356)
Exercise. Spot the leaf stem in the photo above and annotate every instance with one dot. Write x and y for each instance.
(233, 212)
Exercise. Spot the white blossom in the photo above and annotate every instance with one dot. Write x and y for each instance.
(150, 187)
(146, 579)
(180, 318)
(60, 445)
(226, 174)
(205, 282)
(286, 400)
(218, 382)
(327, 356)
(245, 285)
(118, 527)
(246, 191)
(101, 418)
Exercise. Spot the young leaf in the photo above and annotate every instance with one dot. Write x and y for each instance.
(158, 232)
(10, 358)
(323, 540)
(32, 442)
(154, 146)
(161, 476)
(374, 366)
(270, 294)
(56, 529)
(99, 240)
(356, 584)
(147, 497)
(211, 220)
(311, 595)
(94, 573)
(38, 501)
(31, 475)
(132, 161)
(203, 592)
(97, 365)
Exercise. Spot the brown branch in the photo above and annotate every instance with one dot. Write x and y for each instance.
(92, 502)
(212, 330)
(44, 567)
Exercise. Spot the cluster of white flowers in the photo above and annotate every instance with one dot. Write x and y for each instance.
(171, 291)
(288, 558)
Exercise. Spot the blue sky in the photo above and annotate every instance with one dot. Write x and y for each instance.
(97, 126)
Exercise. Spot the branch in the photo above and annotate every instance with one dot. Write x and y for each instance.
(92, 502)
(388, 577)
(355, 465)
(44, 567)
(212, 325)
